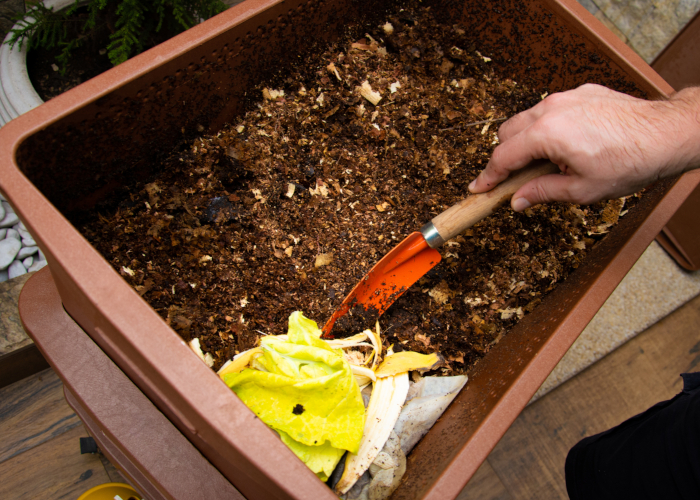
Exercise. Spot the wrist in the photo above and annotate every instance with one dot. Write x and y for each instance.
(686, 110)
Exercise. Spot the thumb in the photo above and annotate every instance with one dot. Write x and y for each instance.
(552, 187)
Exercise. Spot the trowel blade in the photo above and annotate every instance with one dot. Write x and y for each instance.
(389, 278)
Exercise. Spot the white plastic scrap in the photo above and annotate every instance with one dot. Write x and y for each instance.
(427, 400)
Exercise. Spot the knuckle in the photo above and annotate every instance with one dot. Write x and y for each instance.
(555, 100)
(541, 192)
(503, 130)
(590, 86)
(546, 126)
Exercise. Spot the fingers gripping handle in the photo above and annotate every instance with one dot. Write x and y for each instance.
(474, 208)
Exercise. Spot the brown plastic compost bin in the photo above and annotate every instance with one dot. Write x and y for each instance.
(61, 158)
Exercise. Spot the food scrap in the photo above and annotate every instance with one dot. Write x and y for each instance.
(308, 390)
(304, 389)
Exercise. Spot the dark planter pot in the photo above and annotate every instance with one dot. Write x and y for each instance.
(72, 151)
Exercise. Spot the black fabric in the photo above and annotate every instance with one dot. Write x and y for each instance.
(654, 455)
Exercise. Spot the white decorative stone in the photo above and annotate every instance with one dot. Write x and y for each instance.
(3, 233)
(8, 208)
(9, 247)
(22, 232)
(10, 219)
(36, 266)
(2, 198)
(28, 242)
(3, 276)
(12, 233)
(27, 263)
(26, 252)
(22, 226)
(2, 212)
(16, 269)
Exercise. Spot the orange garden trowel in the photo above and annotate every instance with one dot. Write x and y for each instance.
(416, 255)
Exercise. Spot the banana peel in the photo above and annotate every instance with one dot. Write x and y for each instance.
(388, 396)
(408, 361)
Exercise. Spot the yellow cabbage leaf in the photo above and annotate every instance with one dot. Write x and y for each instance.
(308, 394)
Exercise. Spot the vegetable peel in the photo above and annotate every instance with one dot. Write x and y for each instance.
(388, 396)
(406, 361)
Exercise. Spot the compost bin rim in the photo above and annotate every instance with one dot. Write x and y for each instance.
(82, 260)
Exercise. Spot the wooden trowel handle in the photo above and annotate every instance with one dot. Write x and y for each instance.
(474, 208)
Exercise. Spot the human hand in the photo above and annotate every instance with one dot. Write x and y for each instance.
(606, 144)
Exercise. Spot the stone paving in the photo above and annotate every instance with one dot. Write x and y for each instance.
(645, 25)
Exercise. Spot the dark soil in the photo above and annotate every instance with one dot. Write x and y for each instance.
(287, 209)
(48, 81)
(87, 61)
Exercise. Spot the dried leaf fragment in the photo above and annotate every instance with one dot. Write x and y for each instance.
(485, 59)
(446, 66)
(509, 312)
(382, 207)
(321, 189)
(441, 293)
(422, 339)
(258, 195)
(332, 69)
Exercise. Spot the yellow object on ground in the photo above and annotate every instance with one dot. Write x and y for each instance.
(111, 491)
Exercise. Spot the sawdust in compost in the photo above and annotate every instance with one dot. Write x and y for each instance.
(289, 207)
